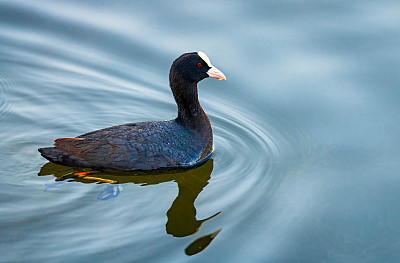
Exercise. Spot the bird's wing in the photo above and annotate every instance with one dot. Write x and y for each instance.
(124, 147)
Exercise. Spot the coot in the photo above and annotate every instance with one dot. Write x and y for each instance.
(182, 142)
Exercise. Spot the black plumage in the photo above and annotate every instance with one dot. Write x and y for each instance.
(181, 142)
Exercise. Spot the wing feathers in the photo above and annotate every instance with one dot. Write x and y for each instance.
(73, 146)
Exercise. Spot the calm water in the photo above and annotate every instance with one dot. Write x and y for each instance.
(306, 130)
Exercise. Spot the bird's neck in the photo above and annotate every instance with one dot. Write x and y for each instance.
(190, 112)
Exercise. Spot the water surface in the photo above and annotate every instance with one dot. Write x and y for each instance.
(306, 131)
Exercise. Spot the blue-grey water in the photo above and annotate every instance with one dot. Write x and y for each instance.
(306, 131)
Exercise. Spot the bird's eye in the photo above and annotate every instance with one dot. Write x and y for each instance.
(199, 64)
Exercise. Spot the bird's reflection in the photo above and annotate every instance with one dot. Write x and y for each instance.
(181, 216)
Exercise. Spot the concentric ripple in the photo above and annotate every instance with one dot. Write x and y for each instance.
(247, 157)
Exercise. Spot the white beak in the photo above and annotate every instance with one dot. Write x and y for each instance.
(216, 73)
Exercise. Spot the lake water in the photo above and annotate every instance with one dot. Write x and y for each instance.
(306, 131)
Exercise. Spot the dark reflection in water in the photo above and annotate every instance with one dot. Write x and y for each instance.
(200, 244)
(181, 216)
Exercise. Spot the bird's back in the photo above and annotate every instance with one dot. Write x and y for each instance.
(135, 146)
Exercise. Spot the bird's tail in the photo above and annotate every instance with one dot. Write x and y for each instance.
(51, 153)
(59, 157)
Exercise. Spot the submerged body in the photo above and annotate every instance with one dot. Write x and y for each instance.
(182, 142)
